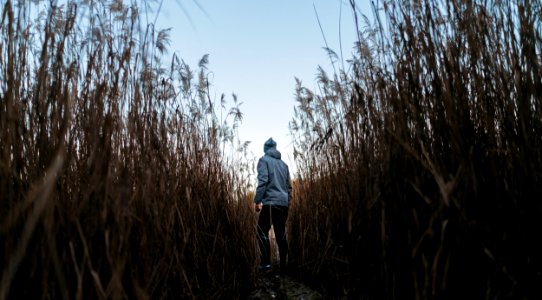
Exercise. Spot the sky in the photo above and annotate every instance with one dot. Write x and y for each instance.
(256, 50)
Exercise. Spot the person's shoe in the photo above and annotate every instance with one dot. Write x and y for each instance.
(264, 268)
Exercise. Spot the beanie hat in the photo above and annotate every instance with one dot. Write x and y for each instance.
(270, 143)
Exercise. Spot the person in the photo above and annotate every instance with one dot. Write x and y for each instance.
(272, 198)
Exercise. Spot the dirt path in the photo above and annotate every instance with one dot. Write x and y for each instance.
(272, 285)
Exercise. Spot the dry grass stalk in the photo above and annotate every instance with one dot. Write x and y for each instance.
(114, 181)
(419, 163)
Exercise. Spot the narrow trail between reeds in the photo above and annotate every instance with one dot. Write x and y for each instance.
(272, 285)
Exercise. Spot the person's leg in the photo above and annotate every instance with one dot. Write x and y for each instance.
(279, 214)
(264, 224)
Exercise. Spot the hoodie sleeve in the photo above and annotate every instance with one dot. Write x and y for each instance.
(289, 185)
(263, 179)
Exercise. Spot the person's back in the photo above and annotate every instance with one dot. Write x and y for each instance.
(273, 178)
(273, 196)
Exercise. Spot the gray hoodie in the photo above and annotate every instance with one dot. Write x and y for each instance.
(274, 186)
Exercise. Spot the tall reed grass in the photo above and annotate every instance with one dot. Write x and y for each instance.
(419, 162)
(114, 179)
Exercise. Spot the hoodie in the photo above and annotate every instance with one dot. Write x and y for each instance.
(274, 186)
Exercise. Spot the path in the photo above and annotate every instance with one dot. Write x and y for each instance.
(271, 285)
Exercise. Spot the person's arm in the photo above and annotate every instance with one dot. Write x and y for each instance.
(263, 178)
(289, 183)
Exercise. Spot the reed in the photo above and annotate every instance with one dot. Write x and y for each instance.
(419, 165)
(114, 180)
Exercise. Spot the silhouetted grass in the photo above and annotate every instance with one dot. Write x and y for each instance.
(114, 182)
(420, 165)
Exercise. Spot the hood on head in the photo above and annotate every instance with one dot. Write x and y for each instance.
(269, 144)
(270, 148)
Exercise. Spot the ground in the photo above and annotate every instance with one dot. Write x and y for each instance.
(272, 285)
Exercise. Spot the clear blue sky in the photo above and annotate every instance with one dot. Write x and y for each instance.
(256, 49)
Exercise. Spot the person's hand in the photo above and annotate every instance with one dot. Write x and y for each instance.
(258, 207)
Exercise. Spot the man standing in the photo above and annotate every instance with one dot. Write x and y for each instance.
(272, 198)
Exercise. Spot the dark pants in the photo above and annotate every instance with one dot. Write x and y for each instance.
(277, 216)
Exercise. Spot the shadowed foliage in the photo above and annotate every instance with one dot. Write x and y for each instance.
(419, 160)
(114, 179)
(420, 163)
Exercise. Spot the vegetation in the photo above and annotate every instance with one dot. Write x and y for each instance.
(420, 158)
(115, 182)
